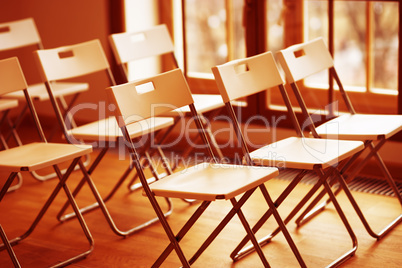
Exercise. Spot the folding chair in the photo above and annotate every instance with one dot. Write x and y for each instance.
(20, 34)
(154, 42)
(244, 77)
(207, 182)
(302, 60)
(78, 60)
(38, 155)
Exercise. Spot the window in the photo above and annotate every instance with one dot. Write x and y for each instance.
(213, 34)
(365, 41)
(364, 36)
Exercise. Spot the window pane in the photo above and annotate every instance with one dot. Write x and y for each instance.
(350, 26)
(207, 34)
(238, 38)
(317, 19)
(385, 70)
(316, 23)
(275, 25)
(350, 42)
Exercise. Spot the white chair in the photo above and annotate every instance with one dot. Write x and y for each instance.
(302, 60)
(244, 77)
(207, 182)
(154, 42)
(34, 156)
(20, 34)
(79, 60)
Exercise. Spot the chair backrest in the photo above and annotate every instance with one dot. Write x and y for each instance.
(20, 33)
(240, 78)
(153, 96)
(302, 60)
(149, 97)
(12, 79)
(11, 76)
(244, 77)
(130, 46)
(71, 61)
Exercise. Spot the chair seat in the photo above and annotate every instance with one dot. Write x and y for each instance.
(34, 156)
(203, 103)
(361, 127)
(209, 182)
(108, 130)
(8, 104)
(38, 91)
(305, 153)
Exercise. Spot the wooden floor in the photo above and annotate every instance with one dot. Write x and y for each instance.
(320, 241)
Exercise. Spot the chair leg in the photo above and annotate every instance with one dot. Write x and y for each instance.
(220, 227)
(9, 248)
(312, 210)
(310, 213)
(175, 239)
(59, 186)
(80, 218)
(79, 186)
(386, 173)
(251, 234)
(282, 227)
(241, 251)
(356, 207)
(7, 184)
(46, 205)
(341, 214)
(100, 203)
(235, 210)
